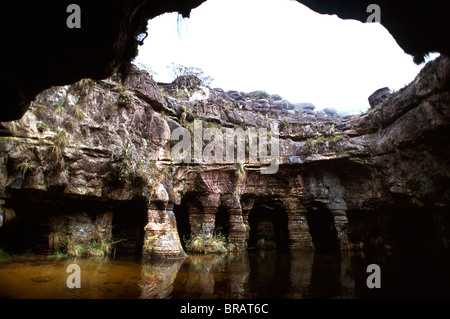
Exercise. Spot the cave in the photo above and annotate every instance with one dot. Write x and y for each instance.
(407, 229)
(322, 229)
(268, 226)
(105, 137)
(129, 220)
(38, 217)
(181, 212)
(222, 223)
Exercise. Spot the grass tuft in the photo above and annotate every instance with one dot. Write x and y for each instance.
(215, 244)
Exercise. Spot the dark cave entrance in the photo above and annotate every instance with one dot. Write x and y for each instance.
(322, 230)
(181, 212)
(28, 231)
(38, 216)
(222, 222)
(268, 226)
(129, 220)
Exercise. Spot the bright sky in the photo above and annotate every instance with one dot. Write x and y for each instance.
(282, 47)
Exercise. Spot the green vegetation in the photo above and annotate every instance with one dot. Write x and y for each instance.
(4, 254)
(323, 141)
(298, 111)
(284, 121)
(57, 240)
(134, 168)
(41, 110)
(257, 95)
(25, 166)
(125, 99)
(7, 213)
(59, 143)
(79, 111)
(216, 243)
(240, 171)
(58, 255)
(127, 165)
(59, 107)
(64, 246)
(189, 77)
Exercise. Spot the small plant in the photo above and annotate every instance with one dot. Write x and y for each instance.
(58, 255)
(216, 243)
(298, 112)
(241, 171)
(79, 111)
(95, 250)
(8, 214)
(25, 166)
(4, 254)
(127, 166)
(42, 126)
(258, 95)
(59, 143)
(284, 121)
(58, 108)
(189, 77)
(57, 240)
(41, 109)
(125, 99)
(75, 250)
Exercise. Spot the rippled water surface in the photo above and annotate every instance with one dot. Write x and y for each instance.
(263, 274)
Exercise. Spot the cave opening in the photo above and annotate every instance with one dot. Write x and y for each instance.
(188, 203)
(128, 223)
(268, 226)
(222, 222)
(50, 224)
(27, 231)
(350, 42)
(322, 229)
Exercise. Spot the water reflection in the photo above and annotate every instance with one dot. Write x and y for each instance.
(157, 278)
(196, 278)
(300, 274)
(258, 274)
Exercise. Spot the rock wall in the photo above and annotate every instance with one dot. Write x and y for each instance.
(342, 181)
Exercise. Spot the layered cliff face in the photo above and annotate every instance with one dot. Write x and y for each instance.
(91, 166)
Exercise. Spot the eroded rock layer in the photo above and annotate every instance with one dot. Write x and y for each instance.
(96, 156)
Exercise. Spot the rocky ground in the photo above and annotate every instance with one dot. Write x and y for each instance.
(97, 154)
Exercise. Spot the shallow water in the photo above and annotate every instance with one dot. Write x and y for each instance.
(262, 274)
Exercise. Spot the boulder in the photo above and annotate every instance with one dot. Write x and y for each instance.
(276, 97)
(305, 106)
(235, 95)
(280, 104)
(379, 96)
(263, 102)
(330, 111)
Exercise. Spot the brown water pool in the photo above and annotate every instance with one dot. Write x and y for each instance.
(262, 274)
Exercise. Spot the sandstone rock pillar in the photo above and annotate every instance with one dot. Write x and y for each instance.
(341, 223)
(161, 235)
(237, 234)
(299, 235)
(246, 207)
(204, 223)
